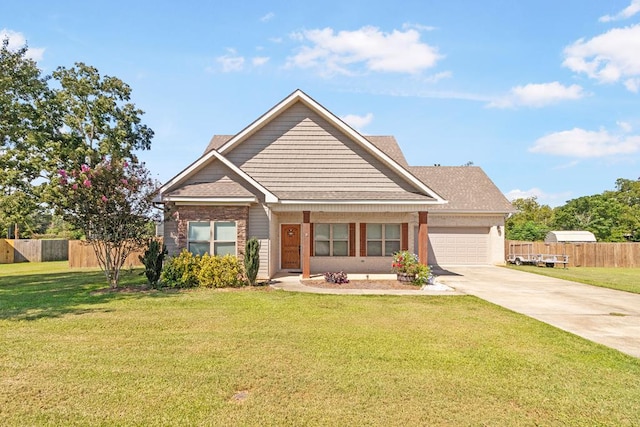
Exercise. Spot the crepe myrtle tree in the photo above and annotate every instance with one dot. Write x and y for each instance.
(112, 203)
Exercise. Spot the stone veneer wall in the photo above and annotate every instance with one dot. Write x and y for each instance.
(179, 216)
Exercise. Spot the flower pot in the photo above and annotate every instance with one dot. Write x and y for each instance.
(406, 277)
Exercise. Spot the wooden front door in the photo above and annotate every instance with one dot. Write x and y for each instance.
(290, 246)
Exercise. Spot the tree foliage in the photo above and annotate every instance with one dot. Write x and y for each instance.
(612, 216)
(26, 124)
(531, 222)
(111, 203)
(48, 123)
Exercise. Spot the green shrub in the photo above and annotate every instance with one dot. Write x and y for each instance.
(152, 260)
(252, 260)
(181, 271)
(220, 272)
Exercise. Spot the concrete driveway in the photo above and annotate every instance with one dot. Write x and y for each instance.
(602, 315)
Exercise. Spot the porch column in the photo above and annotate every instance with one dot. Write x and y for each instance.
(306, 244)
(423, 240)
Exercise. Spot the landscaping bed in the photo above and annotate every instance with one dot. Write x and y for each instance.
(360, 284)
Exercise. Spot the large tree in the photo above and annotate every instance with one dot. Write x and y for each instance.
(82, 125)
(47, 123)
(27, 124)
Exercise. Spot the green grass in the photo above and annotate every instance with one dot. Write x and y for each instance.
(74, 356)
(623, 279)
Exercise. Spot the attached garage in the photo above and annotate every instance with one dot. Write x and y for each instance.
(458, 245)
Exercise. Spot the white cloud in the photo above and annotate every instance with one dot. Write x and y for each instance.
(580, 143)
(268, 17)
(259, 60)
(358, 122)
(538, 95)
(632, 85)
(419, 27)
(609, 57)
(343, 52)
(231, 61)
(543, 198)
(626, 127)
(625, 13)
(435, 78)
(17, 40)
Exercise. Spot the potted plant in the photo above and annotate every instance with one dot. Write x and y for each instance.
(409, 269)
(405, 265)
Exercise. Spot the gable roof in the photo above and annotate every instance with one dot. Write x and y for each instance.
(391, 158)
(467, 188)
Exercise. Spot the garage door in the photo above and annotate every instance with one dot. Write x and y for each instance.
(461, 246)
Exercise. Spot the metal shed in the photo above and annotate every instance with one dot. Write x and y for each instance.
(569, 236)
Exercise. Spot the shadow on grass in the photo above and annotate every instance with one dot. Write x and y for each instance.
(48, 295)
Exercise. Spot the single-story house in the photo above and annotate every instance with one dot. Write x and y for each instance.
(321, 197)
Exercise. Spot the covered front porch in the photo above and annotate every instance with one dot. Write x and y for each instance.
(357, 241)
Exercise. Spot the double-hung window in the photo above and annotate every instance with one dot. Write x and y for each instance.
(331, 239)
(383, 239)
(212, 237)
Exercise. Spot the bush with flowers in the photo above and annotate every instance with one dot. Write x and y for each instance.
(405, 262)
(111, 202)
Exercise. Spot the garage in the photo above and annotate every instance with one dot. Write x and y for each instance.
(458, 245)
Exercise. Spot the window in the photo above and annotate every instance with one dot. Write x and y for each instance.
(199, 237)
(224, 238)
(383, 239)
(223, 242)
(331, 239)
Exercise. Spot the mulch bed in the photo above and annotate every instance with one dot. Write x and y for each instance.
(360, 284)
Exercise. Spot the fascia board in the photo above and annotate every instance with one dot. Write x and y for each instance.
(361, 202)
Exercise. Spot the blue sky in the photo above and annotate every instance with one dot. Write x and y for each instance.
(543, 95)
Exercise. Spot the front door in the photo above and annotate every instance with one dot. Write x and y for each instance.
(290, 246)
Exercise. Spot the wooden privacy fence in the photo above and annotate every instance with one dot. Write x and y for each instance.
(30, 250)
(81, 255)
(598, 254)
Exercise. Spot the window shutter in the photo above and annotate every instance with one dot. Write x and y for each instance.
(363, 239)
(404, 237)
(312, 237)
(352, 239)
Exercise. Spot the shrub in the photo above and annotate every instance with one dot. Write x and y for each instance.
(336, 277)
(423, 275)
(152, 260)
(181, 271)
(220, 272)
(252, 260)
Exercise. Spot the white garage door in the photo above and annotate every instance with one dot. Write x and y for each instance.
(460, 245)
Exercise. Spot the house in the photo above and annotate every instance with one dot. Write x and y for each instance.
(320, 197)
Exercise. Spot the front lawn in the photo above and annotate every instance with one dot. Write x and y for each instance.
(623, 279)
(73, 354)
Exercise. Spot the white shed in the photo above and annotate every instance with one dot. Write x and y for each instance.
(569, 236)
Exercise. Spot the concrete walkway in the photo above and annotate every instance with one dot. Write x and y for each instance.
(602, 315)
(605, 316)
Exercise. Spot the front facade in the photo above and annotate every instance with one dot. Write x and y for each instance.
(320, 196)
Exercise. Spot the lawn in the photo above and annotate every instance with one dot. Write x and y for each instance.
(73, 354)
(623, 279)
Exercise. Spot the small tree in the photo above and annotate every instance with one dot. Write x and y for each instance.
(252, 260)
(152, 260)
(111, 203)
